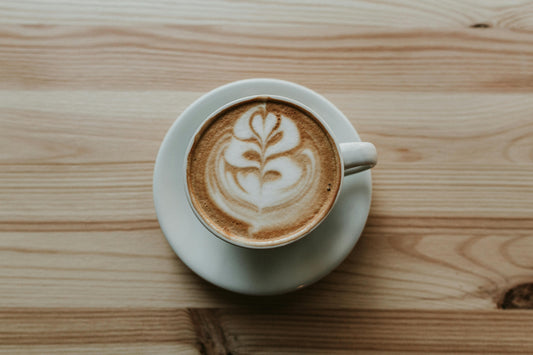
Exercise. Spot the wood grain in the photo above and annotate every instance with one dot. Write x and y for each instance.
(427, 263)
(340, 58)
(385, 13)
(443, 88)
(100, 349)
(270, 330)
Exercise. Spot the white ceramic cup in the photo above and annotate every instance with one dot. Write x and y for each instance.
(355, 157)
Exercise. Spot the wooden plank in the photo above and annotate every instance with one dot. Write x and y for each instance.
(100, 349)
(86, 196)
(333, 58)
(441, 128)
(399, 263)
(430, 13)
(64, 326)
(270, 330)
(345, 331)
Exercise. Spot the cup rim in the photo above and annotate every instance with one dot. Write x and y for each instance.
(286, 240)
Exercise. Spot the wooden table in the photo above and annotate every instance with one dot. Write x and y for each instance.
(443, 88)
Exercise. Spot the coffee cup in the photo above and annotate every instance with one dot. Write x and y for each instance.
(264, 171)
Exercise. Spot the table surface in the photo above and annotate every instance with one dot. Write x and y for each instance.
(443, 88)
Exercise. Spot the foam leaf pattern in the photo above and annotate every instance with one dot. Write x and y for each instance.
(262, 166)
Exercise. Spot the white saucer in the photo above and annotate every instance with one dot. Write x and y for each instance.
(252, 271)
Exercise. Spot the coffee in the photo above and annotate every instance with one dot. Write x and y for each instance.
(263, 172)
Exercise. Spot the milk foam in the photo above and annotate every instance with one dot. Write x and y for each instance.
(263, 171)
(261, 168)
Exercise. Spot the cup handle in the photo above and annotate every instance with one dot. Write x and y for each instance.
(358, 156)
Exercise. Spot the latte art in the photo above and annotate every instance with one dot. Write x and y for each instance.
(263, 170)
(259, 168)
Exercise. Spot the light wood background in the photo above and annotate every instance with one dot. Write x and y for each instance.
(443, 88)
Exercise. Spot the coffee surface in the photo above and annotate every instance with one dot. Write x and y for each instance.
(263, 171)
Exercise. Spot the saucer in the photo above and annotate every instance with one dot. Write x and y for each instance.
(257, 271)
